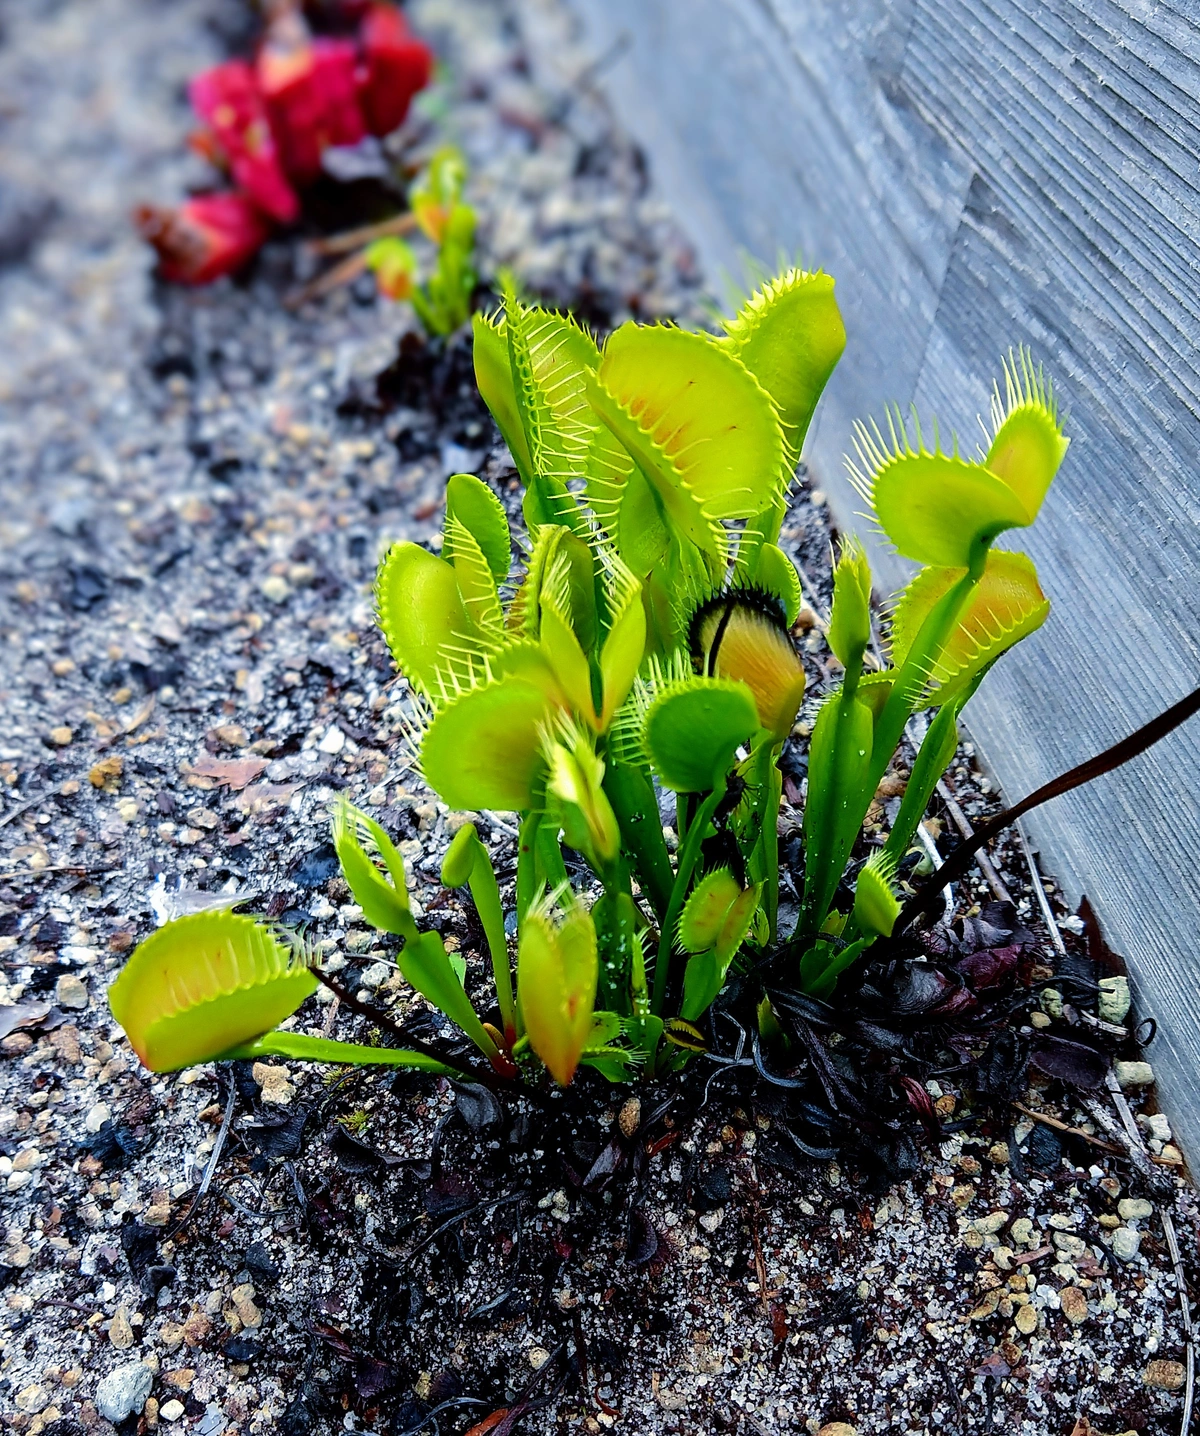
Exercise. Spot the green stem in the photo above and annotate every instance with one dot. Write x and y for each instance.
(631, 793)
(907, 686)
(550, 856)
(486, 892)
(326, 1049)
(770, 792)
(933, 757)
(688, 854)
(838, 758)
(529, 888)
(821, 982)
(922, 658)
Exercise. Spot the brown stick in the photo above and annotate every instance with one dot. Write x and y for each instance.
(1068, 1129)
(342, 273)
(955, 866)
(356, 238)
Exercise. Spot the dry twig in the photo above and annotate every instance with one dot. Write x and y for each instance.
(1185, 1310)
(351, 239)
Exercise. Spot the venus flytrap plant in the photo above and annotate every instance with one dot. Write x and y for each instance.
(968, 604)
(639, 647)
(443, 301)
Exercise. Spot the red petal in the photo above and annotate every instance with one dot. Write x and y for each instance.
(311, 95)
(226, 97)
(395, 68)
(208, 236)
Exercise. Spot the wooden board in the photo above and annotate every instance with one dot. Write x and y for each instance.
(979, 174)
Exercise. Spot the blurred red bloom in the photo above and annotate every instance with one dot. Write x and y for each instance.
(310, 91)
(395, 66)
(268, 124)
(239, 136)
(207, 236)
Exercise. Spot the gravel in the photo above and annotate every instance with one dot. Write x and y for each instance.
(197, 488)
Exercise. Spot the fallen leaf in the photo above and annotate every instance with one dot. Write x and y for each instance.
(1072, 1062)
(23, 1014)
(264, 797)
(142, 714)
(234, 772)
(489, 1423)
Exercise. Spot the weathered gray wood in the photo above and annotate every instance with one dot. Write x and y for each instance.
(978, 174)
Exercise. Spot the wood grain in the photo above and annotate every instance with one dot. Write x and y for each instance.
(979, 174)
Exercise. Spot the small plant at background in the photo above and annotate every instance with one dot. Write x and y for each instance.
(641, 646)
(443, 301)
(266, 124)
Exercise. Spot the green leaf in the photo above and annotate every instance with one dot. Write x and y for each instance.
(705, 911)
(560, 640)
(1005, 606)
(467, 860)
(631, 792)
(617, 922)
(698, 425)
(790, 336)
(324, 1049)
(933, 758)
(936, 508)
(384, 903)
(624, 644)
(823, 964)
(693, 730)
(494, 378)
(421, 613)
(476, 507)
(483, 748)
(203, 984)
(775, 572)
(426, 964)
(1029, 444)
(839, 759)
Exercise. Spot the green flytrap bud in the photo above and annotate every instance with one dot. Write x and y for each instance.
(876, 907)
(557, 971)
(382, 896)
(850, 619)
(575, 795)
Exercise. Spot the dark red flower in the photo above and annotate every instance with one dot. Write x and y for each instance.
(226, 98)
(310, 90)
(207, 236)
(394, 67)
